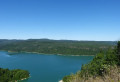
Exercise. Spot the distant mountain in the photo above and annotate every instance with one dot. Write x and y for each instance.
(6, 41)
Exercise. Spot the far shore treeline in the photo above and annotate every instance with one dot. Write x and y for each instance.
(47, 46)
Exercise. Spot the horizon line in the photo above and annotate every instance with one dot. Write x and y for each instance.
(55, 39)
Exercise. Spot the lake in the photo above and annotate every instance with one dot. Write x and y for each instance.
(43, 68)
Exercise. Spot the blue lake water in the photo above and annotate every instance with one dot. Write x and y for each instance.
(43, 68)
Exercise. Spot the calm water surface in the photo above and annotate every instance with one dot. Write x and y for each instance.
(43, 68)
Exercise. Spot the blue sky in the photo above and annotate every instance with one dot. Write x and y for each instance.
(60, 19)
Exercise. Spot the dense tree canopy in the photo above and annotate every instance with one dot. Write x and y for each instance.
(118, 51)
(7, 75)
(66, 47)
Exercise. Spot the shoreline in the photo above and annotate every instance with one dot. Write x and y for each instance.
(23, 79)
(45, 53)
(60, 81)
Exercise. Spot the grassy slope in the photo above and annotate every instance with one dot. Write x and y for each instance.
(113, 75)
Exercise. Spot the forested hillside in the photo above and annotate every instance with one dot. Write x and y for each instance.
(66, 47)
(7, 75)
(105, 67)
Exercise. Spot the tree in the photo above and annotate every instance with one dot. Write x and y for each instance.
(118, 52)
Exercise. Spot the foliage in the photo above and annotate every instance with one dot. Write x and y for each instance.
(65, 47)
(7, 75)
(118, 52)
(99, 66)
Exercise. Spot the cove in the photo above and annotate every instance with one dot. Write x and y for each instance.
(43, 68)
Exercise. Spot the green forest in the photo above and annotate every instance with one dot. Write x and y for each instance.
(66, 47)
(7, 75)
(105, 67)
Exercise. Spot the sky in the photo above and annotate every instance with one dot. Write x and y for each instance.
(97, 20)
